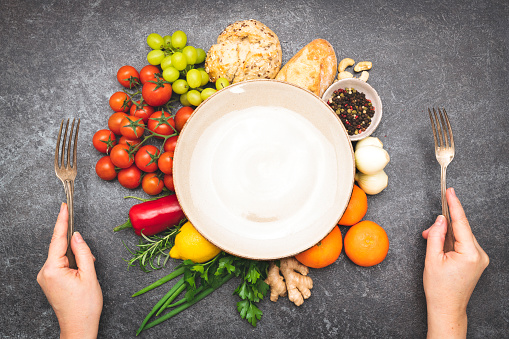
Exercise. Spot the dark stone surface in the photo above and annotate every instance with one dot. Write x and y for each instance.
(59, 60)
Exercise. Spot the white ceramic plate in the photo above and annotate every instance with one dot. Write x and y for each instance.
(263, 169)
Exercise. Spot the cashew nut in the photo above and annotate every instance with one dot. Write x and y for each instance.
(343, 64)
(364, 76)
(344, 75)
(362, 66)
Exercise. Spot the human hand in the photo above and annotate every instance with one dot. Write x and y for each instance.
(450, 278)
(75, 295)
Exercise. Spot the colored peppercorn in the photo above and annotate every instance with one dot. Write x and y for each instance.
(353, 109)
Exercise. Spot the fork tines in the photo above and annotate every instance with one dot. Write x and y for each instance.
(442, 137)
(67, 163)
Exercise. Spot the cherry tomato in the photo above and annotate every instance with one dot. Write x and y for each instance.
(152, 184)
(120, 156)
(115, 120)
(182, 116)
(165, 162)
(105, 168)
(120, 102)
(156, 94)
(127, 141)
(161, 124)
(132, 127)
(168, 182)
(104, 140)
(170, 144)
(146, 158)
(143, 111)
(129, 177)
(128, 76)
(148, 73)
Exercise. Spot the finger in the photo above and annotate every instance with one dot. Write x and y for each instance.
(84, 257)
(436, 237)
(425, 233)
(58, 245)
(459, 221)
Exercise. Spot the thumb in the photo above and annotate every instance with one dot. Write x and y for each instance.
(436, 237)
(84, 257)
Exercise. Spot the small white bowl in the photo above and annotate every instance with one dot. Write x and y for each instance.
(370, 93)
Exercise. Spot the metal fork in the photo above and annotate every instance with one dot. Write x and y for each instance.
(66, 172)
(444, 152)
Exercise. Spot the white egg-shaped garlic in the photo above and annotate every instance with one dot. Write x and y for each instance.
(369, 141)
(372, 183)
(371, 159)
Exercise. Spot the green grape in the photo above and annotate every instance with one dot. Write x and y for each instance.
(166, 62)
(190, 53)
(200, 55)
(171, 74)
(167, 41)
(207, 92)
(178, 60)
(178, 39)
(155, 41)
(154, 57)
(193, 78)
(180, 86)
(222, 83)
(194, 97)
(204, 77)
(184, 101)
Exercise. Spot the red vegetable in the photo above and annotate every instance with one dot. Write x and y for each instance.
(154, 216)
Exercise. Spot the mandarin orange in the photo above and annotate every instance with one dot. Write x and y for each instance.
(366, 243)
(356, 209)
(325, 252)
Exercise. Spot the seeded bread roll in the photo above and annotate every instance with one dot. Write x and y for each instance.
(314, 67)
(245, 50)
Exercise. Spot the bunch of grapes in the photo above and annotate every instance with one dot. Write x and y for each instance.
(177, 61)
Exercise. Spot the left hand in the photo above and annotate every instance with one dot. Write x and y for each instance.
(75, 295)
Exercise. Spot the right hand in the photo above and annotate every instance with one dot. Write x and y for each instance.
(75, 295)
(450, 278)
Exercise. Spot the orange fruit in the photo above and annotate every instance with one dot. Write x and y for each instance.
(325, 252)
(356, 209)
(366, 243)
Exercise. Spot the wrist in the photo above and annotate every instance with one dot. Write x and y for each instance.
(443, 325)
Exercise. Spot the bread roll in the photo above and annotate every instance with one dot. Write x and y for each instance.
(314, 67)
(245, 50)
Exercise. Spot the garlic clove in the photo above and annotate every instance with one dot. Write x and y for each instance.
(369, 141)
(371, 159)
(372, 183)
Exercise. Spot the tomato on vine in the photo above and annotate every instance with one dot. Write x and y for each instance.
(141, 110)
(105, 168)
(168, 182)
(104, 140)
(128, 76)
(120, 156)
(129, 177)
(182, 116)
(156, 93)
(132, 127)
(165, 162)
(170, 144)
(127, 141)
(161, 123)
(146, 158)
(120, 102)
(148, 73)
(115, 120)
(152, 184)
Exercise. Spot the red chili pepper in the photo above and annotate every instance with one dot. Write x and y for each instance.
(154, 216)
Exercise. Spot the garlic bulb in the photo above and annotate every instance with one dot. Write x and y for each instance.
(369, 141)
(372, 183)
(371, 159)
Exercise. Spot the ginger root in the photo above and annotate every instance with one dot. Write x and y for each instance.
(295, 282)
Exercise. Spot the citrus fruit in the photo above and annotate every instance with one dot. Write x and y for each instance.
(366, 243)
(356, 209)
(191, 245)
(325, 252)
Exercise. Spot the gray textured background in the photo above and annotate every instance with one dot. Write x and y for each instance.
(59, 60)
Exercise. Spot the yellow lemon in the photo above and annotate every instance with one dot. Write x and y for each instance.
(191, 245)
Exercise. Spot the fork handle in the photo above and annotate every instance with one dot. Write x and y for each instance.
(449, 236)
(69, 192)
